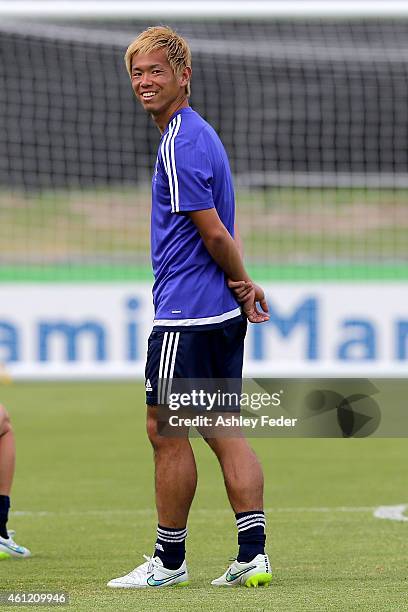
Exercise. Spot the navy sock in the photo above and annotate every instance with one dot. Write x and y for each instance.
(4, 510)
(251, 534)
(171, 546)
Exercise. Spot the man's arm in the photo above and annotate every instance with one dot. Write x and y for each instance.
(242, 289)
(223, 249)
(219, 243)
(238, 241)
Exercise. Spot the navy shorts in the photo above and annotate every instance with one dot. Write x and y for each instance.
(208, 354)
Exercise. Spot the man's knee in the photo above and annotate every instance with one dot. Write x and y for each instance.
(159, 433)
(152, 426)
(5, 423)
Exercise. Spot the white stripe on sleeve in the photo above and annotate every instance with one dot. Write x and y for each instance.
(167, 164)
(173, 164)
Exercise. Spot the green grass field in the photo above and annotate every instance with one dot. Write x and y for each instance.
(293, 233)
(83, 502)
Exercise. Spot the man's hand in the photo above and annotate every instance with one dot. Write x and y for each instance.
(249, 294)
(249, 306)
(241, 289)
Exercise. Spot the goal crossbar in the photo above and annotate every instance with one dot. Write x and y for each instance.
(210, 9)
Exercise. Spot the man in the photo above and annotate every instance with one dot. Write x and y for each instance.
(8, 548)
(198, 328)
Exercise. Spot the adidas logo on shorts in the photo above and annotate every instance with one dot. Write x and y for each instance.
(148, 385)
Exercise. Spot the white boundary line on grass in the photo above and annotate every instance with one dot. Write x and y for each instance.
(148, 511)
(392, 513)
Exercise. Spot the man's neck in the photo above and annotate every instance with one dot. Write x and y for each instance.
(162, 120)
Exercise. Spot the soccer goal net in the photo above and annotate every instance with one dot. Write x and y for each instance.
(313, 114)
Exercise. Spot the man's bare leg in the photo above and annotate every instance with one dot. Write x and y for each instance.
(244, 482)
(175, 485)
(175, 474)
(242, 472)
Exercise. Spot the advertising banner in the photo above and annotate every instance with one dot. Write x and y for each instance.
(100, 330)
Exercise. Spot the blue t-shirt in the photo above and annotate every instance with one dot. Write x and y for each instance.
(192, 173)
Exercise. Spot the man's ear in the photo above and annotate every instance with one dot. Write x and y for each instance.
(185, 76)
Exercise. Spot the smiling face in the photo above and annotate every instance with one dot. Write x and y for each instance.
(159, 90)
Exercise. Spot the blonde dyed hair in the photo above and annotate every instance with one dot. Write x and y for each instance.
(161, 38)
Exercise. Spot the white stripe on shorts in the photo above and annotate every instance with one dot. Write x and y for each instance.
(162, 354)
(167, 364)
(173, 361)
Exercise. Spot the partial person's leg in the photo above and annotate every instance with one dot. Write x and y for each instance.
(8, 548)
(175, 485)
(7, 463)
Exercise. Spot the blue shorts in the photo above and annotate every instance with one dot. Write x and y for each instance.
(211, 354)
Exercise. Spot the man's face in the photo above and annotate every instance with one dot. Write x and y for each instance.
(154, 83)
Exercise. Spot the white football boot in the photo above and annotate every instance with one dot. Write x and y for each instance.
(151, 574)
(255, 573)
(9, 549)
